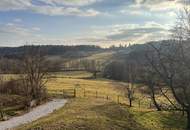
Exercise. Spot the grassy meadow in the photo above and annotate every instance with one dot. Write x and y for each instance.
(99, 109)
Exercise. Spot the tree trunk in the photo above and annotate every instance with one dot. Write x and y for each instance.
(154, 98)
(1, 115)
(130, 102)
(156, 104)
(188, 119)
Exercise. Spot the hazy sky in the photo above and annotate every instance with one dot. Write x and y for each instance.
(100, 22)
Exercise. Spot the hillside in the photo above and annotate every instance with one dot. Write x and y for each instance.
(98, 104)
(99, 113)
(51, 50)
(11, 57)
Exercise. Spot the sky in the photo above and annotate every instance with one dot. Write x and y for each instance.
(93, 22)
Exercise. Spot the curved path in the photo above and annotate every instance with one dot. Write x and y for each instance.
(33, 115)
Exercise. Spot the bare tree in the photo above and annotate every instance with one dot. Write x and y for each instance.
(130, 76)
(171, 64)
(34, 73)
(149, 77)
(130, 93)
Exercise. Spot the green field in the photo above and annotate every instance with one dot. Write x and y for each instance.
(102, 112)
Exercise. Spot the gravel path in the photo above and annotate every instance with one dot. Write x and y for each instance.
(33, 115)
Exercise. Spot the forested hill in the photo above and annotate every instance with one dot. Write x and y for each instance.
(138, 50)
(79, 50)
(70, 51)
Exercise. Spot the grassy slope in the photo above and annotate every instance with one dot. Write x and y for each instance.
(89, 113)
(104, 56)
(154, 120)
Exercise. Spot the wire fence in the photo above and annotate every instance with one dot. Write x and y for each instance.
(139, 101)
(86, 93)
(120, 99)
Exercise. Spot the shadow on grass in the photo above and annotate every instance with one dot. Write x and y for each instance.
(117, 116)
(174, 119)
(162, 119)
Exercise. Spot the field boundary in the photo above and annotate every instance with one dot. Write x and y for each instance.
(85, 93)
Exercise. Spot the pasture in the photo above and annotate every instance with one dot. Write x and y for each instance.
(93, 112)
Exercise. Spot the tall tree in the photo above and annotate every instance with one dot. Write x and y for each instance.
(171, 64)
(130, 76)
(34, 73)
(148, 76)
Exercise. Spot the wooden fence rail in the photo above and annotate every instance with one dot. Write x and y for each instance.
(84, 93)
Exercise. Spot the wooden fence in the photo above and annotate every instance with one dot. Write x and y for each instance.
(84, 93)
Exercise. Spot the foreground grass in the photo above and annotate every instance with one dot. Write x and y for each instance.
(163, 120)
(94, 115)
(90, 113)
(98, 114)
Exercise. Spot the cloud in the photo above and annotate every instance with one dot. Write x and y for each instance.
(36, 29)
(140, 12)
(56, 11)
(136, 33)
(166, 9)
(70, 2)
(157, 5)
(7, 5)
(101, 35)
(51, 7)
(14, 34)
(134, 12)
(17, 33)
(17, 20)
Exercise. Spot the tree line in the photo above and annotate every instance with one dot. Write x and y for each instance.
(163, 67)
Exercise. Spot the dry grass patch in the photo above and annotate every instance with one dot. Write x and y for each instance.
(80, 114)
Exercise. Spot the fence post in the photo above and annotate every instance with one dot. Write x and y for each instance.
(107, 97)
(75, 92)
(118, 99)
(96, 94)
